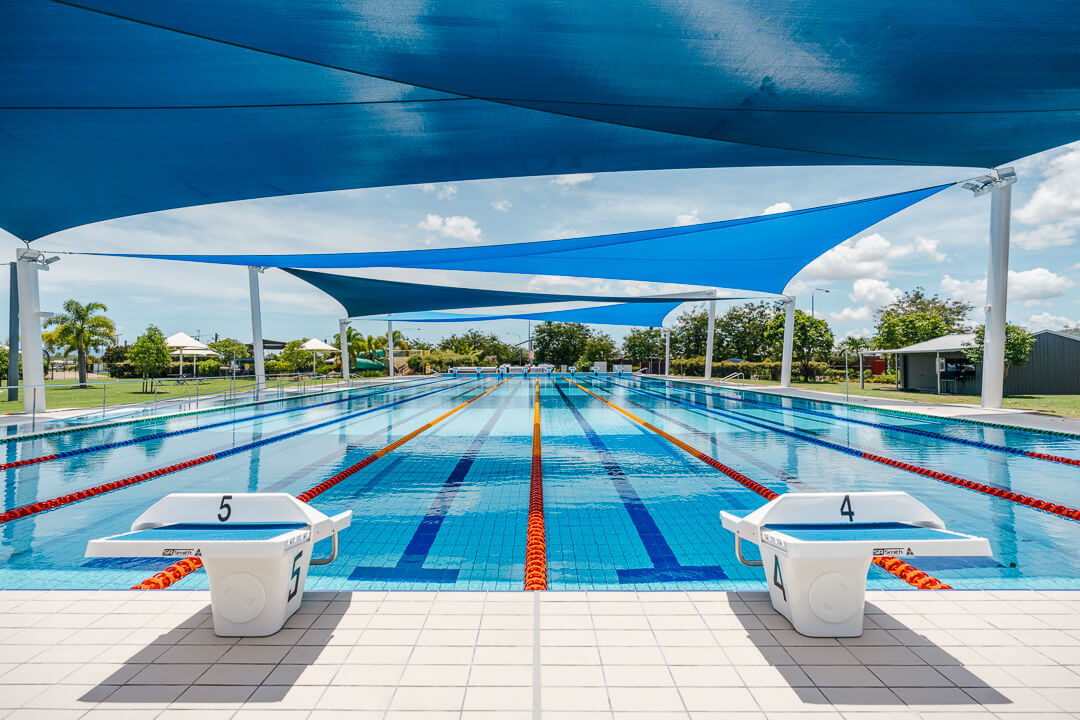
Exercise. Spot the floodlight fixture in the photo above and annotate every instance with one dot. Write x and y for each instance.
(996, 178)
(50, 261)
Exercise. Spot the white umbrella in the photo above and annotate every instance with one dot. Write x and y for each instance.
(189, 345)
(317, 346)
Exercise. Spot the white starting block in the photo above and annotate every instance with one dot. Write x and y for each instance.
(256, 548)
(816, 549)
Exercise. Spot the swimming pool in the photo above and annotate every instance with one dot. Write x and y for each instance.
(624, 506)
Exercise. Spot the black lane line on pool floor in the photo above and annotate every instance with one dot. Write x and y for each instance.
(666, 567)
(410, 567)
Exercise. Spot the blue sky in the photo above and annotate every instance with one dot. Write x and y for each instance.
(940, 244)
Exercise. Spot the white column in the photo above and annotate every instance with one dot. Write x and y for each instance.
(390, 346)
(343, 331)
(256, 328)
(937, 370)
(13, 335)
(667, 351)
(709, 339)
(30, 330)
(997, 282)
(789, 341)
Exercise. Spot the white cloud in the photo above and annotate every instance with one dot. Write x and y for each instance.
(572, 180)
(690, 218)
(780, 207)
(873, 293)
(868, 257)
(1048, 236)
(1046, 321)
(852, 314)
(458, 227)
(443, 192)
(1026, 286)
(502, 206)
(1056, 198)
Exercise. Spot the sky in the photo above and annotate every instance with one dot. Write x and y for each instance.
(939, 244)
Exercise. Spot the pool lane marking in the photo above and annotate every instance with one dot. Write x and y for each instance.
(895, 428)
(43, 505)
(908, 573)
(185, 567)
(666, 566)
(1042, 505)
(186, 431)
(535, 538)
(410, 566)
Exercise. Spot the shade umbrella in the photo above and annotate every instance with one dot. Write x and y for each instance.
(184, 343)
(317, 346)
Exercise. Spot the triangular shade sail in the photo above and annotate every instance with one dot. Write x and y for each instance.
(366, 296)
(646, 315)
(119, 107)
(318, 346)
(760, 253)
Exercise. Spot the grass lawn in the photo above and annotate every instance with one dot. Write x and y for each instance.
(1062, 405)
(62, 395)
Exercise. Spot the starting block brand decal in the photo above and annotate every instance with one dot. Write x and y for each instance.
(880, 552)
(181, 552)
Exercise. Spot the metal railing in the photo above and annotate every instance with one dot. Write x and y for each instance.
(239, 388)
(732, 376)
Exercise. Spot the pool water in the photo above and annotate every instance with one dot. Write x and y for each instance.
(624, 507)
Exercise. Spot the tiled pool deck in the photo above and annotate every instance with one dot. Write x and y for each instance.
(624, 655)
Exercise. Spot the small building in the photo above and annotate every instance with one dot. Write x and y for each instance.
(940, 366)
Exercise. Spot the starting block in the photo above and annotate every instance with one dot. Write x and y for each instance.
(816, 550)
(256, 548)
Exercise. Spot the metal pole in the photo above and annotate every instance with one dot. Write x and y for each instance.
(390, 345)
(256, 330)
(530, 343)
(937, 370)
(709, 339)
(346, 361)
(30, 327)
(847, 393)
(13, 335)
(196, 392)
(862, 376)
(789, 339)
(997, 283)
(33, 406)
(667, 351)
(103, 388)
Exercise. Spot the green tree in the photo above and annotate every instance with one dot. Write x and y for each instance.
(642, 344)
(149, 355)
(853, 346)
(896, 331)
(356, 342)
(560, 343)
(690, 332)
(229, 348)
(599, 346)
(953, 313)
(741, 331)
(812, 340)
(485, 345)
(1018, 346)
(79, 328)
(293, 359)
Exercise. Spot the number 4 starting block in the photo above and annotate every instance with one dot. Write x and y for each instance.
(816, 549)
(256, 548)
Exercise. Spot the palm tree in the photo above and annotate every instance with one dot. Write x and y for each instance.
(355, 340)
(79, 329)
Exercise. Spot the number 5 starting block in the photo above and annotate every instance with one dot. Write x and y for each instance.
(816, 549)
(256, 548)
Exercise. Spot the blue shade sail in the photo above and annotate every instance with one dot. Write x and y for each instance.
(366, 296)
(639, 314)
(760, 254)
(117, 107)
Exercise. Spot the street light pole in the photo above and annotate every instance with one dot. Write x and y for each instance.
(812, 299)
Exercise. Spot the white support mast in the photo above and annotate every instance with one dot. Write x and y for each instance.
(343, 336)
(256, 328)
(789, 341)
(28, 264)
(709, 338)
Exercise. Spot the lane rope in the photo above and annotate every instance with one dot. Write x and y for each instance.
(924, 416)
(1041, 505)
(53, 503)
(535, 540)
(908, 573)
(183, 568)
(155, 418)
(185, 431)
(910, 431)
